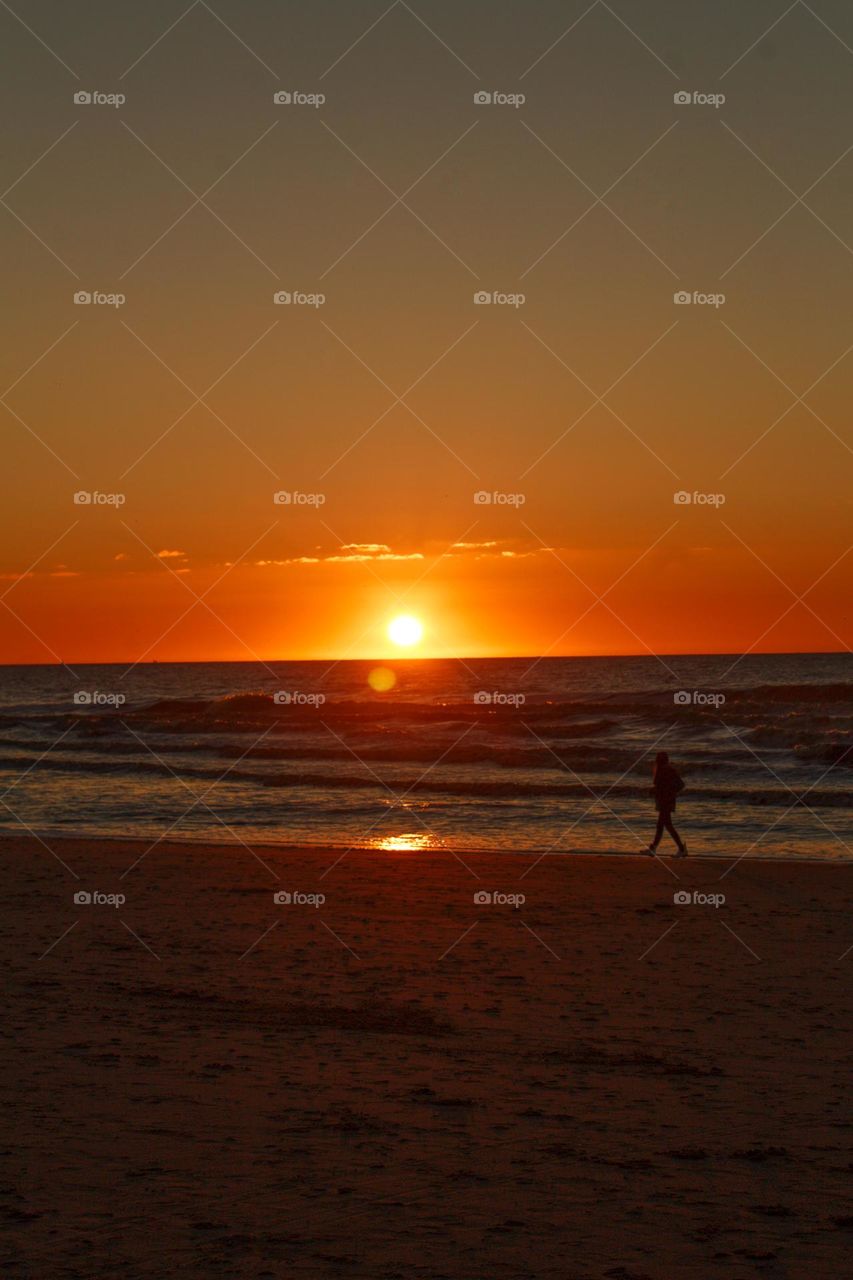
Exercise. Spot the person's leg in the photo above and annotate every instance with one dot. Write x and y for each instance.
(672, 831)
(658, 832)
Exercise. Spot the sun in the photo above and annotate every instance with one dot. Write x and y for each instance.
(405, 630)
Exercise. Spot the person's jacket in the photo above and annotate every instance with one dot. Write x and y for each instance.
(667, 783)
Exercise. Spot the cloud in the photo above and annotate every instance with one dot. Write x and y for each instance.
(171, 555)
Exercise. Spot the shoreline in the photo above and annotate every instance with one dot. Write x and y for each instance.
(463, 851)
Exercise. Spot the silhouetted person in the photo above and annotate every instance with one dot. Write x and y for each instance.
(667, 784)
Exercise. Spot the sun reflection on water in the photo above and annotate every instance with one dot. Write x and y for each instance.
(407, 842)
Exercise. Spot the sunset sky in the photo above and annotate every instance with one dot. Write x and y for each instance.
(399, 398)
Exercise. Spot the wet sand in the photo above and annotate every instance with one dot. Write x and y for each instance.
(402, 1082)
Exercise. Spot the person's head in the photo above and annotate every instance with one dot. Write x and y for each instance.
(661, 759)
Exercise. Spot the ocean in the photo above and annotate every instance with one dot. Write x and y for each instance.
(540, 755)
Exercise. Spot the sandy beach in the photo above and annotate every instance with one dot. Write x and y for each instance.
(399, 1081)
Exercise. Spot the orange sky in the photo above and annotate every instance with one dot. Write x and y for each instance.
(397, 399)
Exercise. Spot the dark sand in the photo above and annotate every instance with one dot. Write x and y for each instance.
(401, 1083)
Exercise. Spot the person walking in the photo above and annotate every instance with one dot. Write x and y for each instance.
(667, 784)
